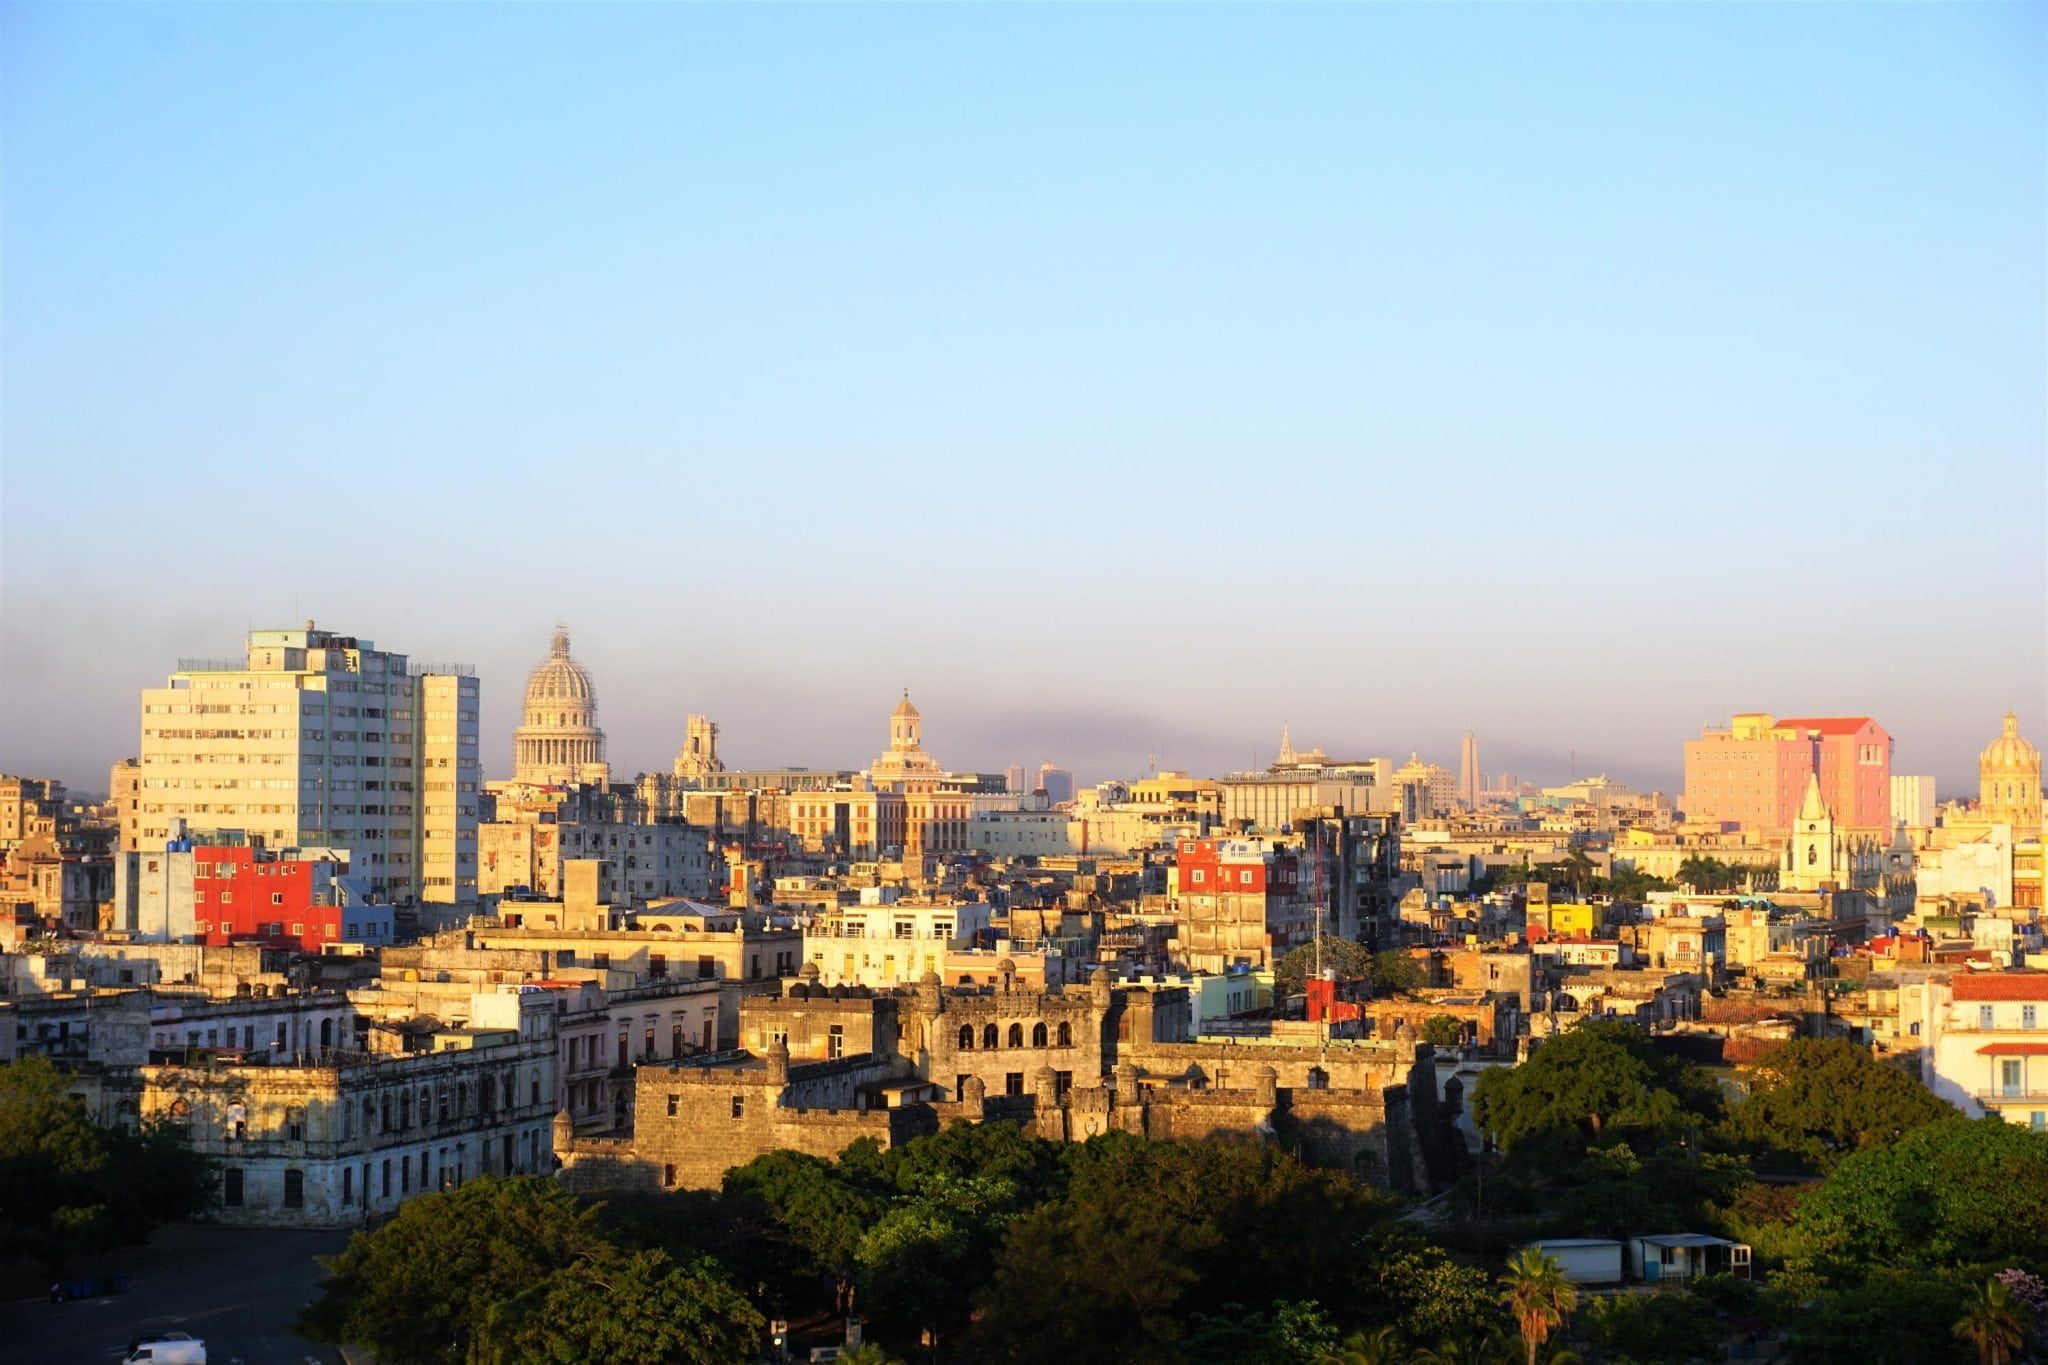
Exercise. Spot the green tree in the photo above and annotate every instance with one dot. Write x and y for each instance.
(1396, 973)
(623, 1308)
(1812, 1101)
(917, 1263)
(1954, 1193)
(823, 1212)
(1381, 1346)
(1292, 1334)
(1705, 876)
(1488, 1348)
(1895, 1317)
(1995, 1324)
(1149, 1229)
(1598, 1080)
(1673, 1328)
(1350, 961)
(69, 1187)
(1443, 1031)
(420, 1287)
(1536, 1292)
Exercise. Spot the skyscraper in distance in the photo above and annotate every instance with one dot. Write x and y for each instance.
(1469, 780)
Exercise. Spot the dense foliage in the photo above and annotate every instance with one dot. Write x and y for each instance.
(1350, 961)
(69, 1187)
(1882, 1224)
(1882, 1217)
(502, 1270)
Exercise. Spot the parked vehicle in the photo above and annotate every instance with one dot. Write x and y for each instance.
(172, 1348)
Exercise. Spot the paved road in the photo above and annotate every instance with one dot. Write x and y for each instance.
(237, 1289)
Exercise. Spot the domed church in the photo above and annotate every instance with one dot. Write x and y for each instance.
(2009, 781)
(558, 742)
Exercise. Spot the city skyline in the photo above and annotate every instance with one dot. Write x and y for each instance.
(736, 336)
(853, 748)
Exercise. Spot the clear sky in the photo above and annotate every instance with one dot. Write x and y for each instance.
(1122, 380)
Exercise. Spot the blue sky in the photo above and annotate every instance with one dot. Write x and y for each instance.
(1122, 379)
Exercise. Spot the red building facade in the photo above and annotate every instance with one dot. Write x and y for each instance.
(242, 894)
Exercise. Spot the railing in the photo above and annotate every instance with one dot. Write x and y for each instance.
(457, 670)
(2013, 1095)
(212, 665)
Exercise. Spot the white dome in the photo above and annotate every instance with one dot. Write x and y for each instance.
(560, 678)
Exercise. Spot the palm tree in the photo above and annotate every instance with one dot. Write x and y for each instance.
(1538, 1294)
(1379, 1347)
(1994, 1324)
(1491, 1349)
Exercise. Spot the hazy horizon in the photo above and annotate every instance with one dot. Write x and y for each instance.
(1121, 380)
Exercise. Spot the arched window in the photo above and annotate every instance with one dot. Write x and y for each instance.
(1066, 1034)
(988, 1037)
(967, 1037)
(508, 1089)
(1016, 1035)
(535, 1087)
(426, 1106)
(1038, 1035)
(386, 1125)
(404, 1110)
(370, 1116)
(326, 1033)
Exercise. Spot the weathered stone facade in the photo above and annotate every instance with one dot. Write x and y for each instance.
(820, 1068)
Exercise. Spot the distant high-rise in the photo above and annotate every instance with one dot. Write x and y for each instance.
(1754, 772)
(1469, 781)
(1016, 781)
(1913, 800)
(321, 740)
(1057, 784)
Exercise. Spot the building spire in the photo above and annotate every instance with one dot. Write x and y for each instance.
(558, 648)
(1813, 807)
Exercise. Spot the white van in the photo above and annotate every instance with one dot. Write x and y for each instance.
(172, 1348)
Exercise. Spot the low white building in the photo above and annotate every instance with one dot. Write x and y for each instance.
(891, 944)
(1984, 1043)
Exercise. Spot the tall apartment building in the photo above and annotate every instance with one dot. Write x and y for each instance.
(1469, 779)
(320, 740)
(1754, 772)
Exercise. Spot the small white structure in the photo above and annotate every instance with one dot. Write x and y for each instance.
(1586, 1260)
(1686, 1256)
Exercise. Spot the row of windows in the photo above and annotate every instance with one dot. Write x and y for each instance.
(1063, 1036)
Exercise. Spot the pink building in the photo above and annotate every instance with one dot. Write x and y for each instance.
(1753, 774)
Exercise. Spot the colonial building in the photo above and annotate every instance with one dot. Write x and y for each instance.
(1983, 1039)
(2009, 781)
(327, 1142)
(819, 1068)
(558, 741)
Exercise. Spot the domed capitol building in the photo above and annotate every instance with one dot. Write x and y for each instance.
(558, 741)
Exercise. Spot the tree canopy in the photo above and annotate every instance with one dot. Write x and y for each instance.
(1350, 961)
(502, 1270)
(1597, 1081)
(1813, 1101)
(1954, 1193)
(69, 1187)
